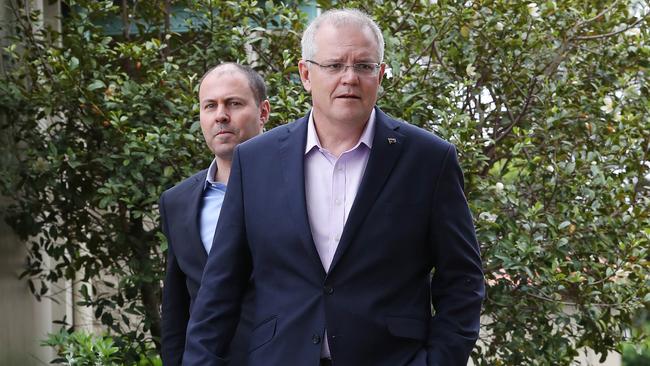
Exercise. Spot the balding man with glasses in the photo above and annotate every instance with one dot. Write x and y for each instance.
(339, 219)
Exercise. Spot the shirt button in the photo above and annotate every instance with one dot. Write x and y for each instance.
(315, 339)
(337, 201)
(328, 290)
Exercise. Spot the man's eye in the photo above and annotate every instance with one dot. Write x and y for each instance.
(208, 106)
(235, 103)
(364, 67)
(333, 67)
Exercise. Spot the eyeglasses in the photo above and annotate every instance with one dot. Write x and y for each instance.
(361, 68)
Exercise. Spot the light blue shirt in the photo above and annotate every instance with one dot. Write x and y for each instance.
(213, 194)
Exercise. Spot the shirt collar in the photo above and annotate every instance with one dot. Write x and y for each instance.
(366, 136)
(212, 172)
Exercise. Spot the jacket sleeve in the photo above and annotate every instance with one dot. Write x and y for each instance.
(175, 302)
(457, 285)
(217, 307)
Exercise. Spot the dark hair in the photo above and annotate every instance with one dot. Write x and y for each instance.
(255, 81)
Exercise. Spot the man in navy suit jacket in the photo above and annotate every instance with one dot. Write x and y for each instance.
(233, 108)
(340, 218)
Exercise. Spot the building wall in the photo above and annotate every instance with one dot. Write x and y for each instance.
(24, 321)
(589, 358)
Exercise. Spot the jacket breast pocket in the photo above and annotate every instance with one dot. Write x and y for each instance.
(263, 333)
(407, 328)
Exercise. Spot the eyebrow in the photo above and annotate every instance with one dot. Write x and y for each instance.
(227, 99)
(359, 61)
(334, 59)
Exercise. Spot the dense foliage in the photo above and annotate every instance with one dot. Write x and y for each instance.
(547, 101)
(81, 348)
(638, 354)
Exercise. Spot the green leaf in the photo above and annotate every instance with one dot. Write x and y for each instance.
(168, 171)
(96, 84)
(73, 63)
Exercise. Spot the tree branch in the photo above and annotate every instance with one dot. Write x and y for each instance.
(607, 35)
(582, 23)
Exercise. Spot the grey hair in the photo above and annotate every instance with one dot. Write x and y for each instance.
(339, 17)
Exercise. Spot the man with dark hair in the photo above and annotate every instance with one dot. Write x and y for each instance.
(233, 109)
(339, 219)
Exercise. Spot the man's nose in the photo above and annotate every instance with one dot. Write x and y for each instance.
(221, 114)
(349, 76)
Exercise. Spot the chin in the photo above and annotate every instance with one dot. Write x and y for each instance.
(352, 115)
(223, 150)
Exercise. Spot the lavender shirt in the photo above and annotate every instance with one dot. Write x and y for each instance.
(331, 185)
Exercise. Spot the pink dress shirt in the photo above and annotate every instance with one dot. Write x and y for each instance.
(331, 185)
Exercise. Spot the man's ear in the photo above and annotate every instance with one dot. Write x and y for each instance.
(265, 112)
(303, 69)
(382, 70)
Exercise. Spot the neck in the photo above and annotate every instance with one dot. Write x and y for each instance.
(338, 137)
(223, 170)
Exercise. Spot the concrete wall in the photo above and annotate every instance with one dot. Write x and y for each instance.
(24, 321)
(589, 358)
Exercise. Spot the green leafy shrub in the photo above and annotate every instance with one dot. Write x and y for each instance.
(636, 356)
(81, 348)
(547, 103)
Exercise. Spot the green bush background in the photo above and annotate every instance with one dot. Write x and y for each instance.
(547, 102)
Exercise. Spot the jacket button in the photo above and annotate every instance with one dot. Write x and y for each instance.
(315, 339)
(328, 290)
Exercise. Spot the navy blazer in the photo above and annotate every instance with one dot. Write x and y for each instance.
(410, 215)
(186, 257)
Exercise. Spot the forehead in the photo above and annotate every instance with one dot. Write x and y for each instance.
(345, 40)
(223, 83)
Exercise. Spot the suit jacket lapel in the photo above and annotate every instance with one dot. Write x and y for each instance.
(386, 148)
(292, 156)
(191, 216)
